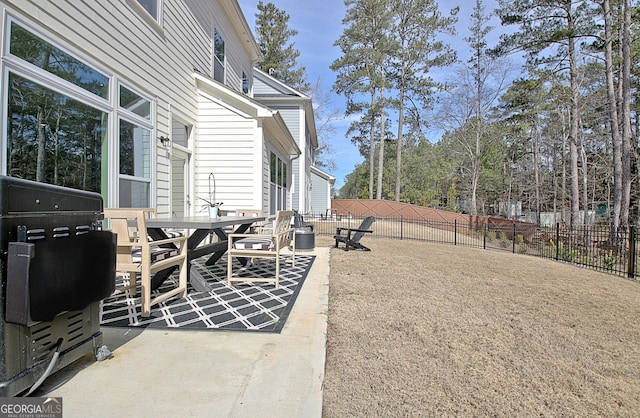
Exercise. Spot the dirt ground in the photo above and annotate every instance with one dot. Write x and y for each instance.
(420, 329)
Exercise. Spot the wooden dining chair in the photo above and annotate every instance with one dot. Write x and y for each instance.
(263, 246)
(141, 257)
(257, 227)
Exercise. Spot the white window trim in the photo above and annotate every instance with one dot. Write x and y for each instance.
(151, 20)
(16, 65)
(111, 105)
(131, 117)
(47, 79)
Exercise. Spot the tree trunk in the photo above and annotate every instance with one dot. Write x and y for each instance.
(536, 167)
(626, 115)
(613, 118)
(372, 145)
(574, 128)
(399, 141)
(381, 155)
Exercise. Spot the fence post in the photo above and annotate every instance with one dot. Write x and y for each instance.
(486, 231)
(455, 232)
(633, 236)
(557, 240)
(513, 243)
(401, 228)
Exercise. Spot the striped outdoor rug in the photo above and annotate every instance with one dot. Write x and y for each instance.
(243, 307)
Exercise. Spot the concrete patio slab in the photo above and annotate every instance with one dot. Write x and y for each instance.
(180, 373)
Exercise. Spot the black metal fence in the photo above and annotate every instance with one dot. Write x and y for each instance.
(592, 247)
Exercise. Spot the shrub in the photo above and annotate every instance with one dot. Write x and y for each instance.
(610, 260)
(564, 253)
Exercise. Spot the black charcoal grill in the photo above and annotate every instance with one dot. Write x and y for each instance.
(57, 264)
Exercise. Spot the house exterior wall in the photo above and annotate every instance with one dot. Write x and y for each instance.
(229, 147)
(107, 35)
(215, 14)
(293, 106)
(157, 59)
(320, 196)
(291, 116)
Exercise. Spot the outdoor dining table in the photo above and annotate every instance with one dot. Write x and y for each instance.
(201, 227)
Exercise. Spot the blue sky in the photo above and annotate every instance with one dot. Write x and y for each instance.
(319, 25)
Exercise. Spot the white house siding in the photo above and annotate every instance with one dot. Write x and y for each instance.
(119, 39)
(270, 89)
(320, 190)
(227, 148)
(218, 14)
(297, 112)
(291, 116)
(116, 38)
(318, 193)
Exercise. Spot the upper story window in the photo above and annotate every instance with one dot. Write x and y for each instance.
(44, 55)
(245, 83)
(218, 56)
(153, 7)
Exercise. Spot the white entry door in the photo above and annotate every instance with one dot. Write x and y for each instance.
(180, 182)
(180, 201)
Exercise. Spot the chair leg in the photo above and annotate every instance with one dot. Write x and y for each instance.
(145, 281)
(277, 271)
(133, 280)
(183, 279)
(229, 266)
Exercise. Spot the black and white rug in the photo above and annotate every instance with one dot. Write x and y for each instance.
(251, 306)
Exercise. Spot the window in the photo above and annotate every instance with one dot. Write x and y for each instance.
(245, 83)
(180, 133)
(47, 57)
(134, 103)
(152, 7)
(54, 137)
(135, 149)
(277, 185)
(218, 57)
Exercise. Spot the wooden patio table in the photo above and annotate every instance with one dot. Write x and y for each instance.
(202, 227)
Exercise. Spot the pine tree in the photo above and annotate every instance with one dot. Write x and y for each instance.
(417, 26)
(554, 28)
(279, 52)
(366, 45)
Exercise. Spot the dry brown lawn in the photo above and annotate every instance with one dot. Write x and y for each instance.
(420, 329)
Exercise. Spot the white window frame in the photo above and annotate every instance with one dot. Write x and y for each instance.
(123, 114)
(279, 195)
(154, 20)
(215, 60)
(16, 65)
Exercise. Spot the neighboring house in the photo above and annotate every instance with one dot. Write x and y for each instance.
(321, 190)
(143, 101)
(297, 111)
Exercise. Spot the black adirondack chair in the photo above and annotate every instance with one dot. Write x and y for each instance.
(352, 236)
